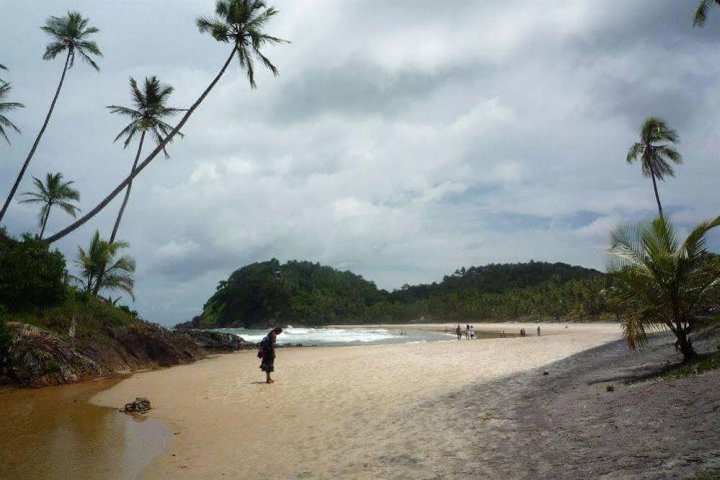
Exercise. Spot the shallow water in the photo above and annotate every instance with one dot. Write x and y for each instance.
(54, 433)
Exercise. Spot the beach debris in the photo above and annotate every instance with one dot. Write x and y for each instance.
(546, 372)
(140, 405)
(610, 387)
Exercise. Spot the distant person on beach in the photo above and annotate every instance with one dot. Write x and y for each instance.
(538, 330)
(472, 332)
(267, 353)
(467, 332)
(458, 330)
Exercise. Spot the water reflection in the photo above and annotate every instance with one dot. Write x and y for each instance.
(55, 433)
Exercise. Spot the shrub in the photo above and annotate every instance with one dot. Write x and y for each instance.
(5, 339)
(30, 273)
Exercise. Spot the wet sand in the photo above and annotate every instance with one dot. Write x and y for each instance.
(54, 433)
(383, 411)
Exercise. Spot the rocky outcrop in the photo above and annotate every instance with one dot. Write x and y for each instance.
(217, 342)
(38, 357)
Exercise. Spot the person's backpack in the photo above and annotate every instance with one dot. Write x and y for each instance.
(264, 343)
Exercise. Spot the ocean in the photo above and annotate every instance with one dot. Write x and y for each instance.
(342, 336)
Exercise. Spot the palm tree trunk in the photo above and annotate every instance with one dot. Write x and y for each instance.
(684, 345)
(44, 223)
(37, 141)
(75, 225)
(127, 192)
(657, 196)
(120, 213)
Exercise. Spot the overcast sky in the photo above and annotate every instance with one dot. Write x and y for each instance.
(401, 141)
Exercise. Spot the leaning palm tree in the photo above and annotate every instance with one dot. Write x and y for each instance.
(701, 12)
(655, 157)
(6, 107)
(147, 117)
(660, 282)
(70, 34)
(239, 23)
(51, 193)
(101, 255)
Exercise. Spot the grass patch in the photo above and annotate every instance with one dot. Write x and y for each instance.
(90, 313)
(713, 474)
(702, 364)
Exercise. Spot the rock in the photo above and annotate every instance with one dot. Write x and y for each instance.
(38, 357)
(217, 342)
(140, 405)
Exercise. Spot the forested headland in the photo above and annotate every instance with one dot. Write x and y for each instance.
(306, 293)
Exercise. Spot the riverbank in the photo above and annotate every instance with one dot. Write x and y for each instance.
(351, 412)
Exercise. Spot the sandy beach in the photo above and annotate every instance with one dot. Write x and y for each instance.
(383, 411)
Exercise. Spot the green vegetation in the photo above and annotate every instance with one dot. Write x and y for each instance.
(5, 339)
(701, 364)
(30, 273)
(99, 269)
(311, 294)
(70, 33)
(147, 116)
(659, 281)
(654, 157)
(6, 107)
(701, 12)
(52, 192)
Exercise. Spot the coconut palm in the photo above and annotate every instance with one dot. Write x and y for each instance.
(701, 12)
(239, 23)
(655, 157)
(101, 256)
(3, 67)
(70, 34)
(6, 107)
(53, 192)
(147, 116)
(660, 282)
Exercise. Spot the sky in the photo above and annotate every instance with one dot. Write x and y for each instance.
(401, 140)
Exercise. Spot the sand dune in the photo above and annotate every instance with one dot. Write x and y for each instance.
(350, 412)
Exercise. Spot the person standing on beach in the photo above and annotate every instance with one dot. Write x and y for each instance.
(458, 330)
(538, 330)
(267, 350)
(472, 332)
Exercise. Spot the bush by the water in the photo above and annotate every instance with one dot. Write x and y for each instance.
(31, 274)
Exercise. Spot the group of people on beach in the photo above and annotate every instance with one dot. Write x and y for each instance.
(522, 331)
(469, 332)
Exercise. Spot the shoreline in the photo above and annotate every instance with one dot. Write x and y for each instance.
(328, 404)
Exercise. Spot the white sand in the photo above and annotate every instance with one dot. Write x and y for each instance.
(334, 411)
